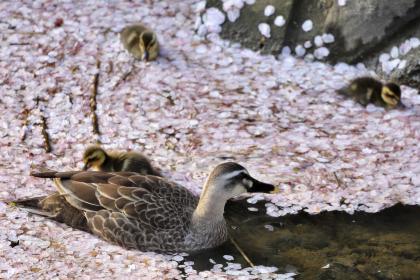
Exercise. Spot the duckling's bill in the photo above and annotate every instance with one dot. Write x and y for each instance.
(145, 56)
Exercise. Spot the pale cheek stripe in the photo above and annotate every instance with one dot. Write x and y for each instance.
(233, 174)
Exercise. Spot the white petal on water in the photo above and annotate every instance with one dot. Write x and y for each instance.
(341, 2)
(328, 38)
(228, 257)
(233, 14)
(321, 52)
(318, 41)
(300, 51)
(394, 52)
(307, 44)
(307, 25)
(269, 10)
(264, 29)
(279, 21)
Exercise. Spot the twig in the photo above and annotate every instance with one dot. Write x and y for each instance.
(25, 125)
(241, 251)
(47, 144)
(123, 78)
(93, 99)
(25, 33)
(338, 181)
(19, 44)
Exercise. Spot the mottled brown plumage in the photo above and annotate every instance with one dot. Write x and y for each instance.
(56, 206)
(150, 213)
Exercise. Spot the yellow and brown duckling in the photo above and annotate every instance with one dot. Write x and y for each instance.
(140, 41)
(365, 90)
(98, 159)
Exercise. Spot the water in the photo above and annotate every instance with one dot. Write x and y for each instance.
(384, 245)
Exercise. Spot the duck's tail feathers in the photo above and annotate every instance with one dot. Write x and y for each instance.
(53, 174)
(32, 205)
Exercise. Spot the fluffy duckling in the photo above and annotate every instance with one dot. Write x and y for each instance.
(98, 159)
(140, 41)
(367, 90)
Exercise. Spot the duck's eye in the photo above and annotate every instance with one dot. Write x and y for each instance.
(247, 183)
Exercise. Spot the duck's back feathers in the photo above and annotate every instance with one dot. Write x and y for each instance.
(135, 211)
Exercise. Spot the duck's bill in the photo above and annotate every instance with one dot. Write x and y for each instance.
(261, 187)
(145, 56)
(85, 166)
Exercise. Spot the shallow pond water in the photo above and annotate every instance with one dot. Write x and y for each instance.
(329, 245)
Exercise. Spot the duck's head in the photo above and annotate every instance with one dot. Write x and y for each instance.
(148, 45)
(230, 179)
(391, 95)
(94, 156)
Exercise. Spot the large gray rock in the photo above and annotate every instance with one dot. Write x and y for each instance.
(362, 29)
(410, 74)
(359, 26)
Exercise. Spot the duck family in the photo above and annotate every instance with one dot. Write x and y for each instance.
(121, 197)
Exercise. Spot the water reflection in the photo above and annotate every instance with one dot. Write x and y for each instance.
(330, 245)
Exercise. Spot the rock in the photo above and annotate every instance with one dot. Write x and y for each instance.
(410, 73)
(352, 31)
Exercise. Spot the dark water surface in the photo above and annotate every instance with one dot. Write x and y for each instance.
(383, 245)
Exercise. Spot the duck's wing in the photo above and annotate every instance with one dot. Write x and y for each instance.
(153, 201)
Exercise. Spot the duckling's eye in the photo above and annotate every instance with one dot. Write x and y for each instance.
(148, 39)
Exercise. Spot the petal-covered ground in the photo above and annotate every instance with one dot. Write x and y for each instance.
(202, 102)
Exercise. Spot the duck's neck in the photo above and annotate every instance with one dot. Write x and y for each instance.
(210, 208)
(208, 226)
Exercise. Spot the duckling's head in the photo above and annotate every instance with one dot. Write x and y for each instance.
(391, 94)
(148, 45)
(94, 156)
(230, 179)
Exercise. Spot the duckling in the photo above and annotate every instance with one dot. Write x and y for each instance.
(365, 90)
(140, 41)
(98, 159)
(151, 213)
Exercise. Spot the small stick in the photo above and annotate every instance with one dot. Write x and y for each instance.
(338, 181)
(241, 251)
(93, 99)
(123, 78)
(19, 44)
(47, 144)
(25, 125)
